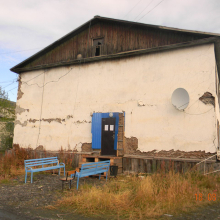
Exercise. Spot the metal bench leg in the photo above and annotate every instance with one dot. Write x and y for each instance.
(59, 171)
(64, 170)
(77, 183)
(70, 184)
(31, 177)
(25, 176)
(99, 176)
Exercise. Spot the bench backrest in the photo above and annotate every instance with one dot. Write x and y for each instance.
(40, 161)
(101, 165)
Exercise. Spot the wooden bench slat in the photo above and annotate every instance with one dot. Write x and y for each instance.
(39, 164)
(41, 159)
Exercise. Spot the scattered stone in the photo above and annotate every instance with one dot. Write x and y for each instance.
(168, 215)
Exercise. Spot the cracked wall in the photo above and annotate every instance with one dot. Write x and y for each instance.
(140, 86)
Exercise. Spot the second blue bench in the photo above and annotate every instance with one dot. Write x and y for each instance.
(93, 168)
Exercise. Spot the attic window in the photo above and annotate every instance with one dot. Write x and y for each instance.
(97, 43)
(97, 51)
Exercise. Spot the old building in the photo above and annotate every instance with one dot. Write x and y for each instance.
(106, 88)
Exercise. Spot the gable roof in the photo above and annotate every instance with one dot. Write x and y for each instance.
(21, 66)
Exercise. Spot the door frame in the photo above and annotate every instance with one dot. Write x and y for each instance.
(97, 129)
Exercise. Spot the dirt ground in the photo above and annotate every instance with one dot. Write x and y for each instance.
(28, 201)
(19, 201)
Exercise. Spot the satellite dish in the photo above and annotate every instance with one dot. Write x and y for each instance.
(180, 99)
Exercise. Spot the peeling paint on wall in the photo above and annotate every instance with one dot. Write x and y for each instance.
(49, 120)
(20, 93)
(69, 116)
(59, 120)
(79, 122)
(40, 148)
(20, 110)
(32, 120)
(154, 125)
(78, 147)
(141, 103)
(208, 98)
(17, 122)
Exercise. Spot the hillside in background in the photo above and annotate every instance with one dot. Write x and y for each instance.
(7, 117)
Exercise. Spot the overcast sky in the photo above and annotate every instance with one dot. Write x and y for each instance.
(27, 26)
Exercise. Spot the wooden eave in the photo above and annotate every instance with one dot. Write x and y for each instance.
(215, 40)
(18, 68)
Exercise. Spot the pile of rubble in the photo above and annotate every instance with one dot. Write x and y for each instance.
(176, 154)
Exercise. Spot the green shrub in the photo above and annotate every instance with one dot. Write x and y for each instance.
(7, 136)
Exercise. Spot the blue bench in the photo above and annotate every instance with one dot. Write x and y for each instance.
(94, 168)
(42, 164)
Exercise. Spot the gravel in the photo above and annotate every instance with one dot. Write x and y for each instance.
(27, 201)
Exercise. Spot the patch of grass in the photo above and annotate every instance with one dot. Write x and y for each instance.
(148, 197)
(4, 119)
(12, 163)
(4, 181)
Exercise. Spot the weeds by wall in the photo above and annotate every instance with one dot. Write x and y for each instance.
(6, 136)
(12, 161)
(150, 196)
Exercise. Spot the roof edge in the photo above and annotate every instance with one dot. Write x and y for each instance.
(96, 19)
(121, 55)
(156, 26)
(55, 43)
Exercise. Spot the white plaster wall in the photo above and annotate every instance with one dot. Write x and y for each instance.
(72, 93)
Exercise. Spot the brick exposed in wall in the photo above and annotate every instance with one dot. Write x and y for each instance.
(87, 147)
(208, 98)
(131, 145)
(120, 146)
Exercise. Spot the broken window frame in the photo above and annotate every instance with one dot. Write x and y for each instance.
(97, 45)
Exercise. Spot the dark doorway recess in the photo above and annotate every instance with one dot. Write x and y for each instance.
(97, 51)
(108, 136)
(98, 43)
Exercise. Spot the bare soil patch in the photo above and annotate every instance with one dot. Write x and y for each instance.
(28, 201)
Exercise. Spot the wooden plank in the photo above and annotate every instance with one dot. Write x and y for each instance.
(149, 166)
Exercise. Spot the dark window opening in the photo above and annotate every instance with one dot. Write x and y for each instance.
(90, 160)
(97, 51)
(97, 43)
